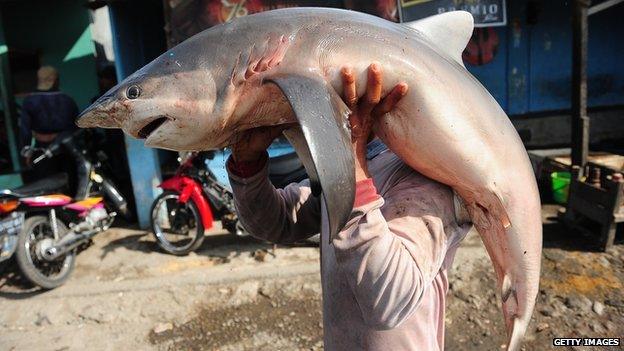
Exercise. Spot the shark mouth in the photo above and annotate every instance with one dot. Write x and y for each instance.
(151, 127)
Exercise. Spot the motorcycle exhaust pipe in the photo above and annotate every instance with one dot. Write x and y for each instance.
(117, 199)
(66, 244)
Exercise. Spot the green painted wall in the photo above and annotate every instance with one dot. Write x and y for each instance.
(59, 30)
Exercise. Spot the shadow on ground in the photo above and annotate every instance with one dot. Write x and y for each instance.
(13, 285)
(557, 235)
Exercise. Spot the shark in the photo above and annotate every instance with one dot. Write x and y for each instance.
(283, 67)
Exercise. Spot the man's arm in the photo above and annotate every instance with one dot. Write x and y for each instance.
(25, 124)
(388, 268)
(73, 110)
(276, 215)
(71, 113)
(389, 261)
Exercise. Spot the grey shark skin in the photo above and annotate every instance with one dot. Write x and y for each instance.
(283, 66)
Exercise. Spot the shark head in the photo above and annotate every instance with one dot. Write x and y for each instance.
(171, 103)
(202, 92)
(247, 73)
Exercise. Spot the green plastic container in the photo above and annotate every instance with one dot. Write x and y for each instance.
(560, 186)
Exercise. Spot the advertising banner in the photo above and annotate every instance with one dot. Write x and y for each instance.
(486, 13)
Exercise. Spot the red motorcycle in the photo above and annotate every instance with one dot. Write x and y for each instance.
(193, 197)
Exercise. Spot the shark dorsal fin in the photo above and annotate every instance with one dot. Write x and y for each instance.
(449, 31)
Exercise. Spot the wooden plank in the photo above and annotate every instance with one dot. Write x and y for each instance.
(592, 194)
(607, 236)
(590, 210)
(580, 119)
(612, 161)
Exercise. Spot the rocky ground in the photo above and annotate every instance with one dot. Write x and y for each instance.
(237, 294)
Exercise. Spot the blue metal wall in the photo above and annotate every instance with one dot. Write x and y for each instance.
(138, 38)
(531, 70)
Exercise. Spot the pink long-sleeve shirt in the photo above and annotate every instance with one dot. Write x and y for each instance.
(384, 277)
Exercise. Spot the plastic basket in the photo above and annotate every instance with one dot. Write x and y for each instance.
(560, 186)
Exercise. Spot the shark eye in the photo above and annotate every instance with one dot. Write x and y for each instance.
(133, 92)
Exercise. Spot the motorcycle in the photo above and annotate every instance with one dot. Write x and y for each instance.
(194, 196)
(44, 227)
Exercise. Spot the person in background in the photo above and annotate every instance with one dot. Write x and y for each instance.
(107, 78)
(45, 114)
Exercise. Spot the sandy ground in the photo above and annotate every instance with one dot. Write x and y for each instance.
(238, 294)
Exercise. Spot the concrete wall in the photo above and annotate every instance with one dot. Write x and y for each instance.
(102, 35)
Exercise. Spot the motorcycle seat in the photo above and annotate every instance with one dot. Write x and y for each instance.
(286, 169)
(54, 183)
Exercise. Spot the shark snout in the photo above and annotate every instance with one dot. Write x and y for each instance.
(102, 113)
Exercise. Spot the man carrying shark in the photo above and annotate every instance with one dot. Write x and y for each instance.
(384, 259)
(384, 276)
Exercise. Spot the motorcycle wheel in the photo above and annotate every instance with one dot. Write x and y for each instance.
(177, 227)
(46, 274)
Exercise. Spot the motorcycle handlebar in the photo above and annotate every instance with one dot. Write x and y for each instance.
(53, 149)
(46, 154)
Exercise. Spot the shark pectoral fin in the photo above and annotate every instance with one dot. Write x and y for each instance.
(298, 141)
(327, 154)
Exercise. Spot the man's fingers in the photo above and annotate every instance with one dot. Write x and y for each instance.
(373, 86)
(348, 86)
(391, 100)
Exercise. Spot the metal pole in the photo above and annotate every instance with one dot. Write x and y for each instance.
(580, 120)
(603, 6)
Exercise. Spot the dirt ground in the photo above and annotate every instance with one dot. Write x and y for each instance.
(238, 294)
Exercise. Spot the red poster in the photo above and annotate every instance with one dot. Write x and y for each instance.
(383, 8)
(188, 17)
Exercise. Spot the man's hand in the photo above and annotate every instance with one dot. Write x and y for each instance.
(252, 143)
(366, 110)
